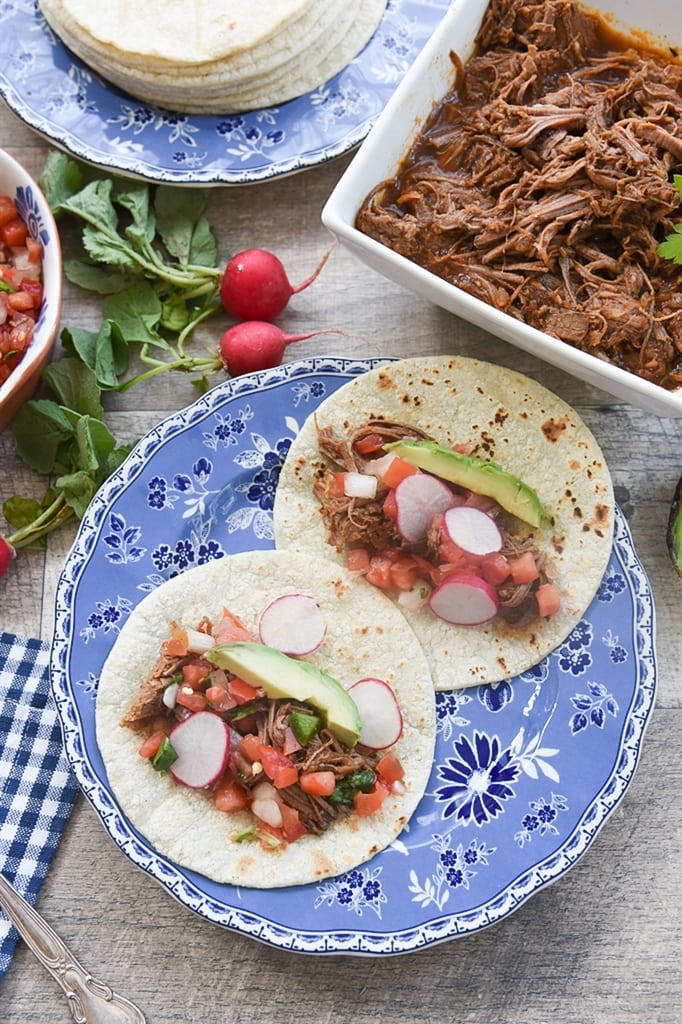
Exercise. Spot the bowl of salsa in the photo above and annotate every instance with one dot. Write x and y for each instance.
(30, 285)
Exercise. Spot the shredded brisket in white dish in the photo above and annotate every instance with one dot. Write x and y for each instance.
(543, 184)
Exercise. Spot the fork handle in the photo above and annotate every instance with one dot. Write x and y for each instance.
(90, 1001)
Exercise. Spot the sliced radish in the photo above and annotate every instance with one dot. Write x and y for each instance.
(202, 743)
(293, 624)
(464, 599)
(472, 530)
(359, 485)
(382, 721)
(418, 499)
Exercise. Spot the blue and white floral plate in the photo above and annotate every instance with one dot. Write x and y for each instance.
(526, 771)
(60, 97)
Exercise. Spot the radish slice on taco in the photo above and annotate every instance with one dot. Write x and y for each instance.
(492, 518)
(250, 765)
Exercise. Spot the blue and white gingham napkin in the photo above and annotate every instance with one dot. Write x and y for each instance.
(37, 789)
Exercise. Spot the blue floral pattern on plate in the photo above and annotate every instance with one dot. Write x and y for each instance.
(59, 96)
(505, 810)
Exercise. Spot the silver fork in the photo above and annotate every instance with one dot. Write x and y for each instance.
(90, 1001)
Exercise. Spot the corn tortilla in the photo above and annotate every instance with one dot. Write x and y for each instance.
(366, 636)
(513, 421)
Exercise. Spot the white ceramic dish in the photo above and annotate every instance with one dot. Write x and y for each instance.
(34, 209)
(388, 142)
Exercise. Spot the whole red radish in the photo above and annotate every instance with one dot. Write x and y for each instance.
(6, 555)
(257, 345)
(255, 286)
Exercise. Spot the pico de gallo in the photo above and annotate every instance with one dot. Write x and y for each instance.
(282, 763)
(21, 288)
(359, 493)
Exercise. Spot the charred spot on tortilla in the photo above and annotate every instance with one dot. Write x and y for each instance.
(553, 429)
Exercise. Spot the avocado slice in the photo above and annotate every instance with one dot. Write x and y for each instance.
(284, 678)
(477, 475)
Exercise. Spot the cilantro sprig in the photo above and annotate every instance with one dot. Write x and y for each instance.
(150, 252)
(671, 247)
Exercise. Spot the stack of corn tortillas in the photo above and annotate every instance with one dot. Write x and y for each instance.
(206, 58)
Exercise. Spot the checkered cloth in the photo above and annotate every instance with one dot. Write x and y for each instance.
(37, 789)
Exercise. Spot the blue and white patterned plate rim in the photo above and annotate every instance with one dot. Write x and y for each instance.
(57, 95)
(608, 720)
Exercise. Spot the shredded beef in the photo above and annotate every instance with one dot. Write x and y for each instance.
(148, 702)
(543, 184)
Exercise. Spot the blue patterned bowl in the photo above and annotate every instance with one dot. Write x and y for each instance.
(35, 211)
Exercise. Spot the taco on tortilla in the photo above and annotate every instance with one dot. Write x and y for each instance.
(476, 498)
(247, 763)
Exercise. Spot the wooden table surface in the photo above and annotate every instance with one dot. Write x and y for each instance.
(601, 944)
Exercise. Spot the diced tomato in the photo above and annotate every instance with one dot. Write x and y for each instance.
(151, 745)
(379, 572)
(34, 249)
(464, 447)
(8, 210)
(229, 795)
(450, 552)
(219, 698)
(357, 560)
(188, 698)
(369, 444)
(195, 675)
(397, 470)
(250, 746)
(404, 573)
(523, 568)
(21, 301)
(390, 506)
(336, 485)
(14, 232)
(292, 826)
(34, 289)
(279, 768)
(390, 768)
(318, 783)
(368, 803)
(242, 691)
(230, 627)
(494, 568)
(176, 645)
(548, 598)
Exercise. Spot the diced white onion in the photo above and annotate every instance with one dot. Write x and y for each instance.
(377, 467)
(264, 804)
(359, 485)
(170, 694)
(21, 258)
(414, 598)
(199, 643)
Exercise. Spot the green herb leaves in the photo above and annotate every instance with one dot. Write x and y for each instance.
(150, 252)
(671, 248)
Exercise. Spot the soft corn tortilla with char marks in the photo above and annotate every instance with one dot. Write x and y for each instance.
(510, 419)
